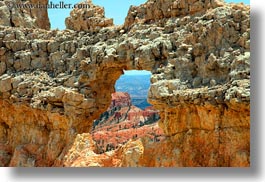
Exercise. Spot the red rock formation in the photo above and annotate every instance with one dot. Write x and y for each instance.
(120, 99)
(123, 122)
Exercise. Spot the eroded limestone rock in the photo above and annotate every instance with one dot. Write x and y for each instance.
(55, 83)
(20, 13)
(88, 17)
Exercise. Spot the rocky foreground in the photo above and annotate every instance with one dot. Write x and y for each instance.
(54, 84)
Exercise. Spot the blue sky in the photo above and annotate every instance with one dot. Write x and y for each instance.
(238, 1)
(136, 72)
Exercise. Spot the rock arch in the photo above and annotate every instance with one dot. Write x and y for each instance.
(53, 84)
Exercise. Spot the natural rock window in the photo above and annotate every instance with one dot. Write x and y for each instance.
(129, 116)
(54, 84)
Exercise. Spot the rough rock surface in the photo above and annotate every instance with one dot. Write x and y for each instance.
(156, 11)
(123, 122)
(88, 17)
(84, 154)
(55, 83)
(18, 13)
(120, 99)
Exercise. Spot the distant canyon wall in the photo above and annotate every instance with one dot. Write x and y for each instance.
(53, 84)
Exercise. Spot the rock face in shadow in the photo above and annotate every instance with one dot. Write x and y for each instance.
(53, 84)
(29, 14)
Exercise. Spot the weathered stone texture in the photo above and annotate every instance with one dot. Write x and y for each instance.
(18, 13)
(55, 83)
(88, 17)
